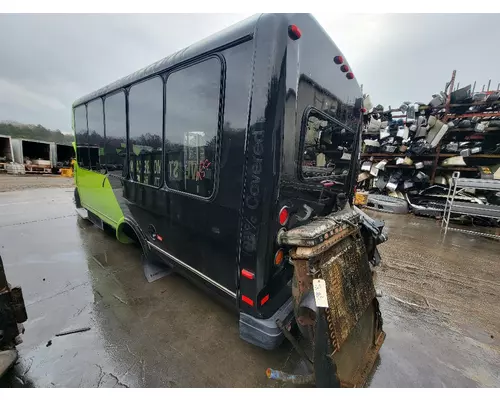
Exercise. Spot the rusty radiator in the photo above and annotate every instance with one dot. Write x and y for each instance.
(332, 249)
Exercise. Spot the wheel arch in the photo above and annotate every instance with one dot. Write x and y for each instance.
(128, 232)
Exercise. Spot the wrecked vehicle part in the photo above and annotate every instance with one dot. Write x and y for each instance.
(347, 334)
(393, 205)
(431, 202)
(12, 316)
(440, 192)
(294, 342)
(373, 235)
(424, 207)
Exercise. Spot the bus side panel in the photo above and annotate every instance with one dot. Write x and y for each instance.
(96, 195)
(262, 168)
(199, 232)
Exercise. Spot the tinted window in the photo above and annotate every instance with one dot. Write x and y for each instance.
(81, 136)
(116, 132)
(192, 119)
(95, 120)
(327, 148)
(145, 102)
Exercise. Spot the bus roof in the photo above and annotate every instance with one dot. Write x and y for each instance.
(241, 31)
(234, 33)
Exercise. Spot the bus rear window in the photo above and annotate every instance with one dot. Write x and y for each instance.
(327, 147)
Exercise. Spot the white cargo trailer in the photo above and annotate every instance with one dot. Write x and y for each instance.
(37, 156)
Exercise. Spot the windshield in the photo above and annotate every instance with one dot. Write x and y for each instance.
(328, 147)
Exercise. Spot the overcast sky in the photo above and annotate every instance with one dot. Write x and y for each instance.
(48, 61)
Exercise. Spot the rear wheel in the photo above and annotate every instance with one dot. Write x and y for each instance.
(76, 199)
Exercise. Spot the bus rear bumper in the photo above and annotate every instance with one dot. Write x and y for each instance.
(265, 333)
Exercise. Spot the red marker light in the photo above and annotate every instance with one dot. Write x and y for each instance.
(278, 257)
(349, 75)
(247, 274)
(264, 300)
(293, 32)
(247, 300)
(338, 60)
(283, 216)
(160, 238)
(344, 68)
(363, 110)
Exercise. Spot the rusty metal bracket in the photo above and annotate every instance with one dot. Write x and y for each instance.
(294, 342)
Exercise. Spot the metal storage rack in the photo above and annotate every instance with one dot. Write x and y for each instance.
(473, 210)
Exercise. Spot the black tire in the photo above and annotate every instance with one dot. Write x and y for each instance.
(76, 199)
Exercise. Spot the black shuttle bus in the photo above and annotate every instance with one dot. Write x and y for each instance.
(214, 152)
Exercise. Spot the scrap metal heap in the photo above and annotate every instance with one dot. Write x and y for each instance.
(409, 154)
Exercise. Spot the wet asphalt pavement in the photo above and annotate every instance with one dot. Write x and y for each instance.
(440, 307)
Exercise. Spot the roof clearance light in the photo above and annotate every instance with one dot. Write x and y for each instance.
(344, 68)
(294, 32)
(283, 216)
(338, 60)
(349, 75)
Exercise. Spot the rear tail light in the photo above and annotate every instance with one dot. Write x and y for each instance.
(264, 300)
(278, 257)
(283, 216)
(344, 68)
(294, 32)
(349, 75)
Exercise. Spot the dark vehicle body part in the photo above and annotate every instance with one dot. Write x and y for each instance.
(373, 234)
(388, 204)
(275, 149)
(431, 201)
(12, 316)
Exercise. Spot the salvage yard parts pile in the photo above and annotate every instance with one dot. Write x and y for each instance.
(409, 154)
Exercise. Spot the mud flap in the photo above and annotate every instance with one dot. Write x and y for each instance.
(83, 213)
(154, 270)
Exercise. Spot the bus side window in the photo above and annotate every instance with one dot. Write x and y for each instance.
(81, 136)
(145, 144)
(95, 118)
(115, 128)
(191, 127)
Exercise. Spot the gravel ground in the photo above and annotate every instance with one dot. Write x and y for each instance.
(10, 183)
